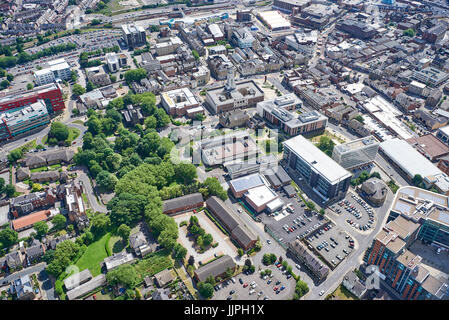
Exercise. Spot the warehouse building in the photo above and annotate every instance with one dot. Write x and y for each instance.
(326, 177)
(356, 153)
(241, 185)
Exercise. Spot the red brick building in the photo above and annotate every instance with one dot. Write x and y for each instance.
(51, 94)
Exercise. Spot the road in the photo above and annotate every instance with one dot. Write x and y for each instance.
(94, 203)
(42, 276)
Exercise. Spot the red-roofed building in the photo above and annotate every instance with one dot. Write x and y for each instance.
(29, 220)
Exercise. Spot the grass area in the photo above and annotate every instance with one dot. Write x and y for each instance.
(40, 169)
(27, 146)
(343, 294)
(116, 244)
(54, 166)
(316, 139)
(83, 195)
(185, 279)
(73, 134)
(155, 262)
(393, 186)
(94, 255)
(80, 122)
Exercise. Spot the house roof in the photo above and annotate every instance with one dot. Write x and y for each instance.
(222, 211)
(244, 235)
(137, 239)
(35, 250)
(76, 279)
(47, 175)
(30, 219)
(215, 268)
(311, 260)
(87, 287)
(23, 173)
(181, 202)
(164, 277)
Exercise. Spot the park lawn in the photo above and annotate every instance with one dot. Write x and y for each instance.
(94, 255)
(155, 262)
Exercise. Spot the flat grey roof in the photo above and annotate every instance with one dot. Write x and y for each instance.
(317, 159)
(247, 182)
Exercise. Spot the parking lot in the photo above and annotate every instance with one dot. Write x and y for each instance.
(262, 289)
(289, 225)
(332, 244)
(356, 212)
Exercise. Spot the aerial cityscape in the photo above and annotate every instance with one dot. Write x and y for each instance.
(224, 150)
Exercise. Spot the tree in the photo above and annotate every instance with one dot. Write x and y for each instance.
(10, 190)
(59, 131)
(135, 75)
(150, 122)
(15, 155)
(30, 86)
(4, 84)
(191, 260)
(214, 188)
(409, 32)
(63, 255)
(125, 275)
(310, 205)
(2, 185)
(207, 239)
(41, 228)
(9, 77)
(301, 288)
(90, 86)
(185, 173)
(206, 290)
(8, 237)
(240, 252)
(106, 181)
(375, 174)
(359, 118)
(100, 223)
(417, 180)
(179, 252)
(78, 90)
(59, 222)
(321, 211)
(123, 231)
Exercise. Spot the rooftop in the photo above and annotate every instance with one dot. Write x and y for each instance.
(247, 182)
(261, 195)
(317, 159)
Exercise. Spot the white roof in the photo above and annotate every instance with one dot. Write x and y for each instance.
(317, 159)
(417, 84)
(274, 19)
(261, 195)
(275, 204)
(445, 130)
(408, 159)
